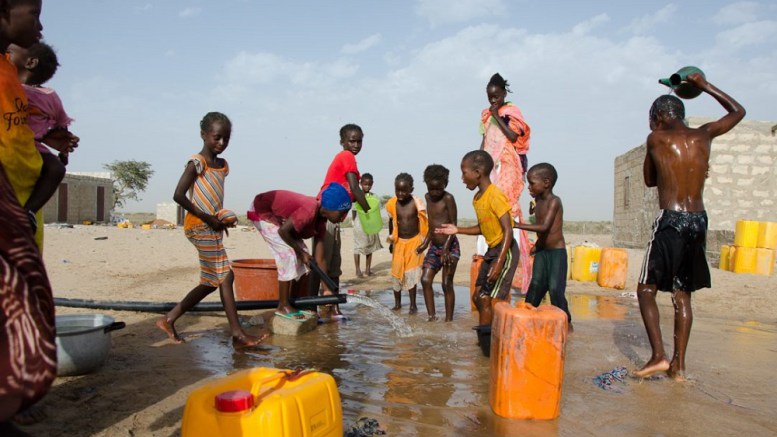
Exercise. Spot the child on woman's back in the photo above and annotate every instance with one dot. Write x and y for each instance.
(364, 244)
(444, 252)
(47, 119)
(408, 227)
(204, 225)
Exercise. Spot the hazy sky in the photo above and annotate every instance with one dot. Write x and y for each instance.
(139, 75)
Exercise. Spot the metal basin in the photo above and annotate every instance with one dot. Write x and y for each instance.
(83, 342)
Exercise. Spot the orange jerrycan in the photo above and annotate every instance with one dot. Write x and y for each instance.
(613, 267)
(527, 360)
(265, 402)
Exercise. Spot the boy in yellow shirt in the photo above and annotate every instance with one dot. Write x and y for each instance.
(495, 224)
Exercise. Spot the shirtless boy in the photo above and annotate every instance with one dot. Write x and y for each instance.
(676, 162)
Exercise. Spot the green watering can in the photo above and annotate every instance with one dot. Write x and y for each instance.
(677, 82)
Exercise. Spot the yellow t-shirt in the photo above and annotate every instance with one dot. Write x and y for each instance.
(18, 155)
(491, 205)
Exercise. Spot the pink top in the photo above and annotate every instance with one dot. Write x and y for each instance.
(45, 112)
(344, 163)
(280, 205)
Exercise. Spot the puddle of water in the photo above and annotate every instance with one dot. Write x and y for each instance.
(430, 378)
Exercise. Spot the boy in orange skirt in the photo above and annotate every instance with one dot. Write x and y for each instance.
(408, 226)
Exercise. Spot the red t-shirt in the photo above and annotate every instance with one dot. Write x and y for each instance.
(278, 206)
(344, 163)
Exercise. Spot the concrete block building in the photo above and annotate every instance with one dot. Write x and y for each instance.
(80, 197)
(742, 184)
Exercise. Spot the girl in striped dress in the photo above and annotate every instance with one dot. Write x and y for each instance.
(200, 192)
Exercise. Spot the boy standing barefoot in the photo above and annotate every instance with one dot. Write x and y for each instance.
(408, 227)
(444, 252)
(549, 273)
(676, 162)
(495, 224)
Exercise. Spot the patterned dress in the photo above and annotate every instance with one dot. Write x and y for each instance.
(28, 352)
(207, 194)
(508, 171)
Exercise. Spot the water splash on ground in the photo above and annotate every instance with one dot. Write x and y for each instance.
(400, 326)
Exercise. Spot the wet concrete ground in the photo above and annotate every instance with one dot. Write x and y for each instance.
(435, 381)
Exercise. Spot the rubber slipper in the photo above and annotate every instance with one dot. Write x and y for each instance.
(297, 316)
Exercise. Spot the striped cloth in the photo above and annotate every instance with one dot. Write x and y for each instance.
(207, 194)
(28, 353)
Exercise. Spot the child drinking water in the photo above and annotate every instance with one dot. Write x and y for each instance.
(444, 252)
(549, 273)
(364, 244)
(408, 227)
(203, 179)
(48, 120)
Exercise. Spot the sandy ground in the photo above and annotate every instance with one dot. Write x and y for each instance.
(108, 263)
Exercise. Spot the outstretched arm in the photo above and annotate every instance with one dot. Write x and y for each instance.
(548, 218)
(449, 229)
(736, 112)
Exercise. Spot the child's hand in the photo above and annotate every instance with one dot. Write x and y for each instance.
(303, 257)
(214, 223)
(494, 109)
(493, 273)
(61, 139)
(421, 248)
(447, 229)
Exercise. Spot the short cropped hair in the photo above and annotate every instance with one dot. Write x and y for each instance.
(436, 172)
(668, 106)
(348, 128)
(47, 63)
(367, 176)
(214, 117)
(404, 177)
(480, 160)
(545, 170)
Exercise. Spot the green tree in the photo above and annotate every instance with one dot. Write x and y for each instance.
(129, 179)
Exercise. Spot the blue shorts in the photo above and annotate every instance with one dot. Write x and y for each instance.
(433, 259)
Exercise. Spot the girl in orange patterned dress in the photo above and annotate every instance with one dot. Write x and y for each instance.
(506, 138)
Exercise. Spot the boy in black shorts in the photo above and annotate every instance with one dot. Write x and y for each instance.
(677, 162)
(496, 224)
(549, 273)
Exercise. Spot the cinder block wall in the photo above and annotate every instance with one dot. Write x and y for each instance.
(742, 184)
(81, 199)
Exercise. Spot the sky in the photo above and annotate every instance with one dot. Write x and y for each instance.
(139, 75)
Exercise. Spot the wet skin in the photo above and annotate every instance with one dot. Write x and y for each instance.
(441, 208)
(408, 226)
(677, 162)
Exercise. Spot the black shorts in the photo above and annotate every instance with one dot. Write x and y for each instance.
(675, 257)
(500, 289)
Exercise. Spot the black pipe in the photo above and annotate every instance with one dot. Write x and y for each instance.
(162, 307)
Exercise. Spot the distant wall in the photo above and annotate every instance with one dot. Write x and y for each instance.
(170, 211)
(79, 198)
(742, 184)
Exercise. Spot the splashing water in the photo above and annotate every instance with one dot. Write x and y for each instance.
(400, 326)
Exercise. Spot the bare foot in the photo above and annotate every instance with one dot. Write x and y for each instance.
(678, 375)
(413, 309)
(651, 368)
(359, 274)
(369, 273)
(169, 329)
(432, 318)
(245, 340)
(396, 307)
